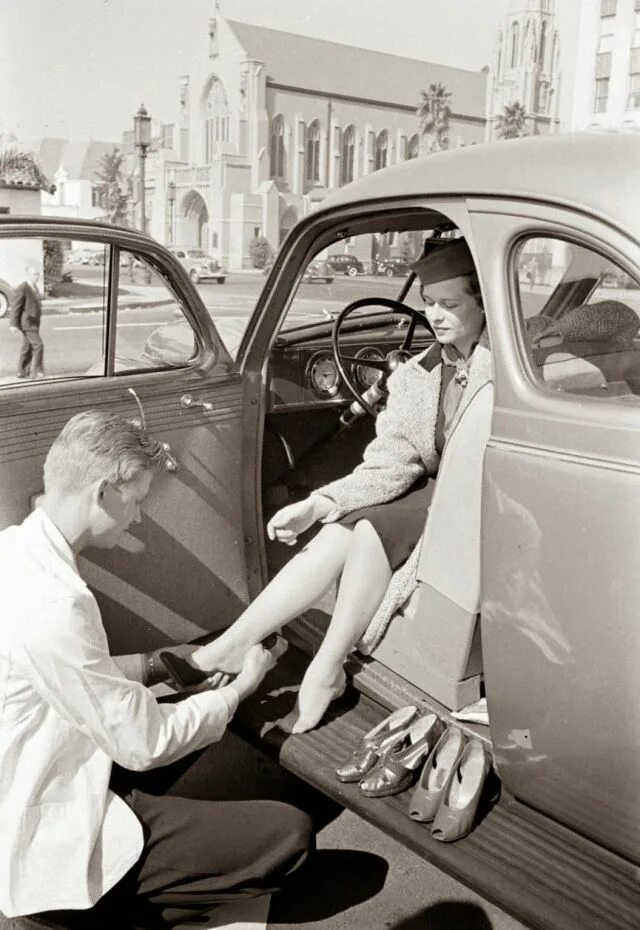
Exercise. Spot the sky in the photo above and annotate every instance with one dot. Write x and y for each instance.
(79, 69)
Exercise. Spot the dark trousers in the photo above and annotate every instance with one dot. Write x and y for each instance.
(31, 353)
(198, 854)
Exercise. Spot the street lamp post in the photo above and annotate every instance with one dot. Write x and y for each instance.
(171, 194)
(142, 141)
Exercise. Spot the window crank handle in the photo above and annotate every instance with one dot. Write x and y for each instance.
(187, 401)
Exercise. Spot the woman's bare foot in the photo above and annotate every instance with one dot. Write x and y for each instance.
(320, 686)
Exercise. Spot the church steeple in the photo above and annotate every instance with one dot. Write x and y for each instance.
(526, 66)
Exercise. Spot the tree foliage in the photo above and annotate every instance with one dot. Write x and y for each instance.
(19, 168)
(113, 186)
(53, 258)
(434, 113)
(259, 251)
(512, 122)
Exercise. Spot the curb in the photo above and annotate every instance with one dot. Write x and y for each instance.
(70, 306)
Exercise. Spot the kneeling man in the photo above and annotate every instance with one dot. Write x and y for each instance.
(68, 711)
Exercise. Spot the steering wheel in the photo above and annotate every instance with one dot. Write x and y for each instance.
(392, 360)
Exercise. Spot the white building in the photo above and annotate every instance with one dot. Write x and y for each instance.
(268, 122)
(526, 67)
(606, 94)
(73, 167)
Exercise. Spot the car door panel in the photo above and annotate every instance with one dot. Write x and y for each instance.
(560, 581)
(191, 576)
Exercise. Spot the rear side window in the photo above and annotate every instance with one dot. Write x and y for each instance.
(580, 314)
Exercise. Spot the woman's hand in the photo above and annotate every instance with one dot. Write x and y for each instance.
(287, 524)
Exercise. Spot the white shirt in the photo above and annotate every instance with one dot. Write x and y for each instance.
(67, 712)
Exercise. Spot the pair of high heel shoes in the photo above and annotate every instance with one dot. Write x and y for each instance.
(453, 773)
(390, 754)
(448, 791)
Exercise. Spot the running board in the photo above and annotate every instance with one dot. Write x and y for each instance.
(536, 870)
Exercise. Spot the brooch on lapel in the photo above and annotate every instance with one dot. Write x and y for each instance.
(461, 376)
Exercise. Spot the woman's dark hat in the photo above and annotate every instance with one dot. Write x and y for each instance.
(449, 260)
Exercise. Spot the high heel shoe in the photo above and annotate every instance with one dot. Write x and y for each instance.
(435, 775)
(382, 737)
(459, 805)
(184, 675)
(396, 767)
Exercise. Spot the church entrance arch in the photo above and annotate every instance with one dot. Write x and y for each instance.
(288, 220)
(193, 222)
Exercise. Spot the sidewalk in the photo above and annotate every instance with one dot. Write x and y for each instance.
(134, 297)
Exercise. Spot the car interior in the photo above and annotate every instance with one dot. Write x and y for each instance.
(579, 333)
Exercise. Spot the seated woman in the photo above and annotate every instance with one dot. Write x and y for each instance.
(374, 517)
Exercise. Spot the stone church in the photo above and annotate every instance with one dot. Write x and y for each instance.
(268, 122)
(526, 67)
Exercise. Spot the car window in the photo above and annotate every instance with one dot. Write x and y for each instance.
(196, 253)
(151, 329)
(54, 320)
(580, 314)
(326, 286)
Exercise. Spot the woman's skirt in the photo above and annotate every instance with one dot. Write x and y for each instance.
(399, 523)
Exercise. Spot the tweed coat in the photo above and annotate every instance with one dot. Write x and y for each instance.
(403, 450)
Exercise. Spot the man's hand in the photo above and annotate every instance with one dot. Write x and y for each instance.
(287, 524)
(257, 662)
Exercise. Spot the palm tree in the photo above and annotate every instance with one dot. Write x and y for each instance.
(512, 122)
(21, 168)
(113, 186)
(434, 112)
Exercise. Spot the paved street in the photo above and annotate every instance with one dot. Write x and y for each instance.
(73, 340)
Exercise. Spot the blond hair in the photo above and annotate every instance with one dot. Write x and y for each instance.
(94, 445)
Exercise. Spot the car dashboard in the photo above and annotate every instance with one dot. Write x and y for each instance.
(303, 374)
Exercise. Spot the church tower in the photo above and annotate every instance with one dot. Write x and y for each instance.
(525, 67)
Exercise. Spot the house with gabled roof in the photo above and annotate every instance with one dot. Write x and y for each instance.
(74, 168)
(267, 123)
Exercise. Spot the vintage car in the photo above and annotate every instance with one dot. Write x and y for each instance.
(5, 297)
(345, 264)
(392, 267)
(318, 272)
(554, 641)
(199, 265)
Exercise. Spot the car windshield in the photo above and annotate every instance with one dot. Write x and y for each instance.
(321, 301)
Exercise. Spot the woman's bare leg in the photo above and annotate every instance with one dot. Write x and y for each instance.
(364, 581)
(297, 586)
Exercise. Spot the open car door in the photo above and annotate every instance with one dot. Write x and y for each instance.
(561, 517)
(133, 327)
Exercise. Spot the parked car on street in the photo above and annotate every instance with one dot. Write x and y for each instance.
(318, 272)
(5, 297)
(199, 265)
(392, 267)
(546, 630)
(345, 264)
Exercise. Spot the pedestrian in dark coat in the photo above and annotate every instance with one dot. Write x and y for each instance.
(26, 311)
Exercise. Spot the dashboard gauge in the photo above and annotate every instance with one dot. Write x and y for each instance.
(364, 376)
(323, 375)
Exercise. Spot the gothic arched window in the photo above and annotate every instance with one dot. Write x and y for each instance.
(312, 152)
(276, 147)
(216, 118)
(413, 148)
(515, 38)
(382, 145)
(347, 155)
(543, 45)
